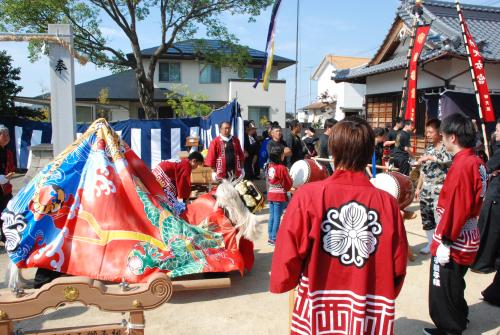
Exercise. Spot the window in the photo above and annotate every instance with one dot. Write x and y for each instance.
(84, 114)
(251, 73)
(170, 72)
(165, 112)
(210, 74)
(258, 114)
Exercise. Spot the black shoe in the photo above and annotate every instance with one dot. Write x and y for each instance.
(433, 331)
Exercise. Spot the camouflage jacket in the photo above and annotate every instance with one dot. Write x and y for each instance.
(435, 171)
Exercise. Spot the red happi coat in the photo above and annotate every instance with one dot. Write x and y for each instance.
(7, 167)
(458, 207)
(279, 182)
(175, 177)
(216, 157)
(344, 243)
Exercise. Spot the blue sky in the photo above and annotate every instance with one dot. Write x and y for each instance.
(339, 27)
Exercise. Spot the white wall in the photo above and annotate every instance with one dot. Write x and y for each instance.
(325, 81)
(350, 96)
(393, 81)
(190, 70)
(120, 114)
(249, 96)
(353, 95)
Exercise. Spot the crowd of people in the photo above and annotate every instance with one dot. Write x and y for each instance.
(342, 240)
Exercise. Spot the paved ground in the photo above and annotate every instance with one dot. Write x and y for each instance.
(247, 307)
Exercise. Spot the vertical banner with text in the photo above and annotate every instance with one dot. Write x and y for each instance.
(478, 73)
(411, 96)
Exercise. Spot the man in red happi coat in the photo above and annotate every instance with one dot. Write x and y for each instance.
(225, 155)
(456, 238)
(7, 169)
(343, 242)
(175, 177)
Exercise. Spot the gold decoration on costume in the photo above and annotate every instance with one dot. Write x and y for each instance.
(71, 293)
(136, 303)
(106, 236)
(48, 199)
(3, 315)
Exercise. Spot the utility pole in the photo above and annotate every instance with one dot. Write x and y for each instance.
(296, 60)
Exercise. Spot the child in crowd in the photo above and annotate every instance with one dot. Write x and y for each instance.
(279, 184)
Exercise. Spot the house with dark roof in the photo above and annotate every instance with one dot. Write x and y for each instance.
(444, 80)
(183, 65)
(335, 100)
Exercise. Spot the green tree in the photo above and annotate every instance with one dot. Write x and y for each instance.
(186, 104)
(9, 89)
(8, 86)
(178, 20)
(102, 100)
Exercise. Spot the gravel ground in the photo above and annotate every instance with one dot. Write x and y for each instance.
(248, 308)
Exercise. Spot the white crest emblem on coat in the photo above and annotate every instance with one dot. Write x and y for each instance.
(351, 233)
(272, 173)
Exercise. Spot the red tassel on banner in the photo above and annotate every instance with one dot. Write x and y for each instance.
(411, 93)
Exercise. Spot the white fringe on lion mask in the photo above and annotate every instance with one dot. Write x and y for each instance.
(228, 198)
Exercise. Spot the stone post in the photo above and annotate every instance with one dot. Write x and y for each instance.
(62, 89)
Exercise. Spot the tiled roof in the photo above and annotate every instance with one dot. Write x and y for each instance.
(121, 86)
(316, 105)
(345, 62)
(483, 21)
(188, 50)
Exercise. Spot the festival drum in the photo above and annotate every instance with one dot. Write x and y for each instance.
(250, 195)
(397, 185)
(306, 171)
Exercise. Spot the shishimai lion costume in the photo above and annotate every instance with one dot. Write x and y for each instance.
(97, 210)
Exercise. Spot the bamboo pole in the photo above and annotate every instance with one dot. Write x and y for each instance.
(404, 95)
(476, 91)
(200, 284)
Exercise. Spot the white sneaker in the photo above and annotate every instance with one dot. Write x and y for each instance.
(427, 249)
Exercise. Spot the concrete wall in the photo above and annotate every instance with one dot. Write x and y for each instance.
(247, 96)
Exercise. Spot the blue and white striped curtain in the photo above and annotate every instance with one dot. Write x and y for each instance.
(152, 140)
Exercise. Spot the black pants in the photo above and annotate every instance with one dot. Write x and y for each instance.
(492, 292)
(249, 168)
(447, 306)
(488, 256)
(44, 276)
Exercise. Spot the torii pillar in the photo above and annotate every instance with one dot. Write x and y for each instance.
(62, 89)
